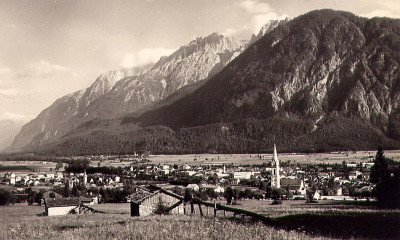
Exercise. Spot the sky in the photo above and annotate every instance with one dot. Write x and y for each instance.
(49, 48)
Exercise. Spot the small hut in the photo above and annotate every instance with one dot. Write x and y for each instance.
(145, 203)
(60, 206)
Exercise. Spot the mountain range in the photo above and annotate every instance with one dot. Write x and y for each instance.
(326, 80)
(118, 92)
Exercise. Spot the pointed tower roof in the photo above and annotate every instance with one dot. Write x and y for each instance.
(276, 160)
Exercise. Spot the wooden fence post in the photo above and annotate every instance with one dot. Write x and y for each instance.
(191, 207)
(215, 210)
(201, 211)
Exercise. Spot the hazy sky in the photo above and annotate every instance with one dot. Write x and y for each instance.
(49, 48)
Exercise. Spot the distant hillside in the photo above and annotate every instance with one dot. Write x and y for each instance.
(8, 130)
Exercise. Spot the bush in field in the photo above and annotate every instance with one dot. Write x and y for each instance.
(161, 208)
(310, 196)
(230, 194)
(5, 197)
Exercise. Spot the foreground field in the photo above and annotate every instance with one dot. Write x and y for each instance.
(341, 219)
(24, 223)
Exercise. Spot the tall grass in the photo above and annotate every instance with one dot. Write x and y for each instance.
(122, 226)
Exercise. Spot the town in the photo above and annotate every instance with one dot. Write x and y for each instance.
(124, 177)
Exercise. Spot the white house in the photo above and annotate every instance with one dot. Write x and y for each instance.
(242, 175)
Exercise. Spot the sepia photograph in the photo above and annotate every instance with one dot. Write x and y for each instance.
(199, 119)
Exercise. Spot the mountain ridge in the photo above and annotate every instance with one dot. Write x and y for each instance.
(326, 80)
(122, 91)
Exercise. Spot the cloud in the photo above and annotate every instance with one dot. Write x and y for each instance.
(144, 56)
(229, 32)
(8, 92)
(381, 13)
(261, 13)
(254, 6)
(15, 117)
(42, 69)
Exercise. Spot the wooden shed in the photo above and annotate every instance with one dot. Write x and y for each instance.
(148, 203)
(61, 206)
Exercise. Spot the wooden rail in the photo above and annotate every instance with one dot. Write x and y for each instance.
(235, 211)
(216, 207)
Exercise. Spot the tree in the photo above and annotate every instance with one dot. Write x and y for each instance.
(32, 197)
(5, 197)
(67, 190)
(38, 197)
(228, 195)
(75, 192)
(386, 175)
(52, 195)
(380, 168)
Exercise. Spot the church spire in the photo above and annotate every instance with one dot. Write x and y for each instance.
(276, 160)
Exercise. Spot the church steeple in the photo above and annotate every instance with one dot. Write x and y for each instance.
(84, 178)
(277, 169)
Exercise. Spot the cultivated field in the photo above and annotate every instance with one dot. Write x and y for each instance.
(25, 223)
(24, 167)
(331, 158)
(238, 159)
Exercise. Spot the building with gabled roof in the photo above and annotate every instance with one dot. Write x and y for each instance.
(60, 206)
(146, 203)
(295, 185)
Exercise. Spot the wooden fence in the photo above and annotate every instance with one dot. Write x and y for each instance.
(217, 207)
(214, 207)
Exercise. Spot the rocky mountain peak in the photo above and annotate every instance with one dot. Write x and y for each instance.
(268, 27)
(119, 92)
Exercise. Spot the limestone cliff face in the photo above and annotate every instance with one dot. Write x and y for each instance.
(324, 62)
(198, 60)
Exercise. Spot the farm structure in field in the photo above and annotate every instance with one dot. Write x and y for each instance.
(63, 206)
(160, 201)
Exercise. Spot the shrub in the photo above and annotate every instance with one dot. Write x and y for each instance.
(5, 197)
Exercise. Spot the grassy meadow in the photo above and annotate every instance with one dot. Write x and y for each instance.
(340, 219)
(25, 222)
(291, 220)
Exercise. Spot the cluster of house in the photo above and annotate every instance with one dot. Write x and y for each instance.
(58, 178)
(294, 178)
(30, 179)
